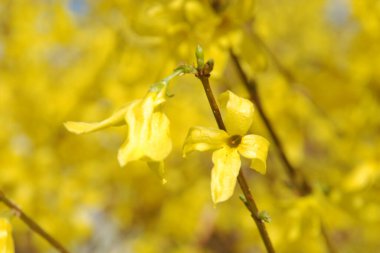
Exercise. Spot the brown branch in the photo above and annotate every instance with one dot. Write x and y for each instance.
(299, 181)
(252, 207)
(329, 244)
(32, 224)
(249, 201)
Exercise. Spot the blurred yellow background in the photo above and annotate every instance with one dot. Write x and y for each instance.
(317, 64)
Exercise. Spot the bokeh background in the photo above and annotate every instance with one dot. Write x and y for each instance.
(317, 64)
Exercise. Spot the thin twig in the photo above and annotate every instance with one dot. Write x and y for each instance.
(32, 224)
(252, 207)
(299, 181)
(329, 244)
(291, 79)
(249, 201)
(286, 73)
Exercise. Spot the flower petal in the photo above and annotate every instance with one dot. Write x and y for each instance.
(224, 173)
(159, 144)
(115, 119)
(204, 138)
(255, 147)
(138, 118)
(237, 113)
(144, 128)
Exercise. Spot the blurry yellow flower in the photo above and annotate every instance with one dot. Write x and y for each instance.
(148, 128)
(238, 114)
(6, 241)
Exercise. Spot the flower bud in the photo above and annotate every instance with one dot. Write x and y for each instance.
(200, 56)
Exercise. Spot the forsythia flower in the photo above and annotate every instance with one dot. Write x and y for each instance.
(6, 241)
(148, 128)
(238, 114)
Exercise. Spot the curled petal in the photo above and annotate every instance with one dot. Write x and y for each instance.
(159, 144)
(224, 173)
(138, 120)
(255, 147)
(6, 240)
(204, 138)
(115, 119)
(237, 113)
(148, 128)
(148, 135)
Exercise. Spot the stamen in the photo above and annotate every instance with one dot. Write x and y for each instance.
(234, 141)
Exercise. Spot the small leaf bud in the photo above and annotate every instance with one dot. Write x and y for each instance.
(264, 216)
(200, 56)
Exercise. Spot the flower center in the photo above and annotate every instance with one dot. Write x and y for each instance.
(234, 141)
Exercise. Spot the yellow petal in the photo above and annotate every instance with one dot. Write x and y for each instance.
(148, 135)
(255, 147)
(204, 138)
(138, 119)
(6, 240)
(82, 127)
(237, 113)
(224, 173)
(159, 145)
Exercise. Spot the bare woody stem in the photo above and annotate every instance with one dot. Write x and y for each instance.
(252, 207)
(302, 186)
(249, 200)
(32, 224)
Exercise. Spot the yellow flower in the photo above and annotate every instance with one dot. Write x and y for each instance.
(148, 128)
(6, 240)
(237, 114)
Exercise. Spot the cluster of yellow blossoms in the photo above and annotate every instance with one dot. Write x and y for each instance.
(148, 137)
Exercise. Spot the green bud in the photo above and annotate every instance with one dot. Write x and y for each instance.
(242, 198)
(200, 56)
(264, 216)
(209, 66)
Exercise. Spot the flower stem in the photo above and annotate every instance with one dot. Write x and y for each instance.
(249, 200)
(212, 102)
(252, 207)
(32, 224)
